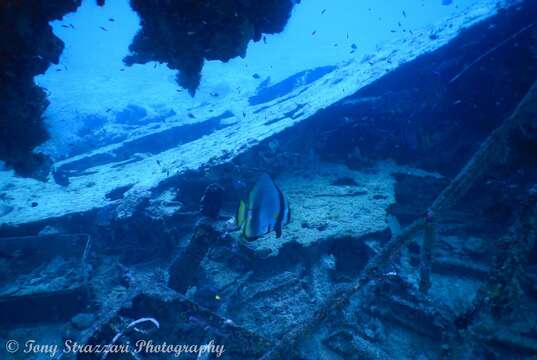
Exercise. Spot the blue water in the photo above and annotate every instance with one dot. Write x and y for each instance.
(92, 79)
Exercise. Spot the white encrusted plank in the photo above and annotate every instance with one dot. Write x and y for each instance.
(88, 191)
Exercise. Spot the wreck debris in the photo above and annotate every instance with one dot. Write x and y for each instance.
(353, 346)
(490, 51)
(181, 321)
(502, 289)
(211, 202)
(482, 324)
(494, 149)
(426, 253)
(183, 269)
(50, 275)
(129, 326)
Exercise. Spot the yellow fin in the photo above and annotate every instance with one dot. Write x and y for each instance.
(241, 214)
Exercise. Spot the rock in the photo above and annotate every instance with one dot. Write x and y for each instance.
(83, 321)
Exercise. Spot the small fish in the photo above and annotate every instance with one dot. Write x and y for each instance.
(313, 32)
(256, 76)
(266, 210)
(121, 69)
(354, 47)
(447, 2)
(190, 115)
(265, 39)
(399, 24)
(65, 26)
(111, 20)
(322, 12)
(404, 13)
(102, 28)
(71, 26)
(214, 94)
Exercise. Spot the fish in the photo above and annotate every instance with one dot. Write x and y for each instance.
(322, 12)
(103, 28)
(266, 210)
(447, 2)
(256, 76)
(111, 20)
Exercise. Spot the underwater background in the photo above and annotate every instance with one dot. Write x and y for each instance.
(282, 179)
